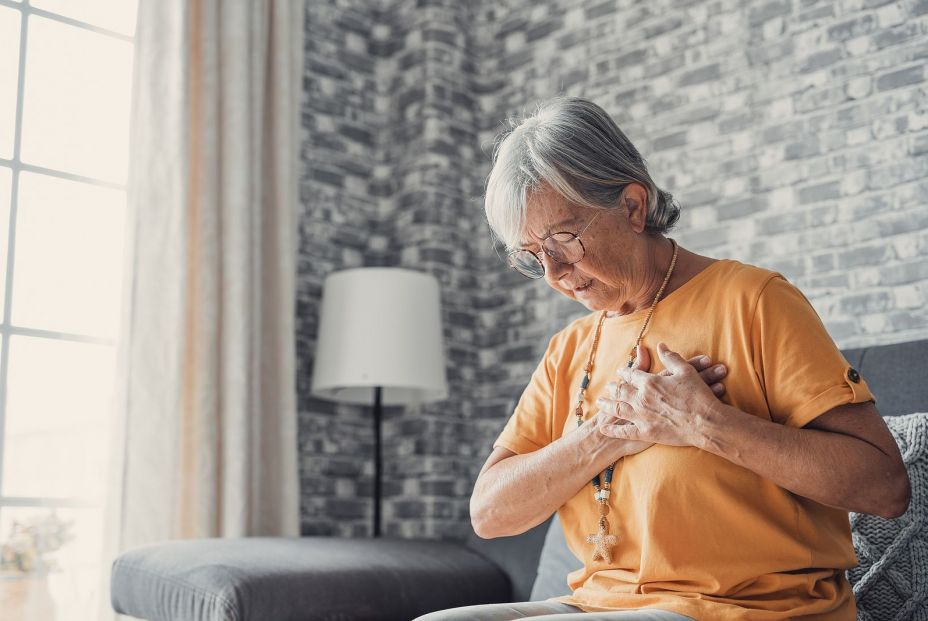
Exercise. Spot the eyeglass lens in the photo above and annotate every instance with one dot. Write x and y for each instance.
(562, 247)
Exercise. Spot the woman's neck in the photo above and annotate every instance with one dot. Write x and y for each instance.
(654, 273)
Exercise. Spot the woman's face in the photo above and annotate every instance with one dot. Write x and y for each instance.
(616, 271)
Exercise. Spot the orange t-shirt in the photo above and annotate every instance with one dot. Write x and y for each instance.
(697, 534)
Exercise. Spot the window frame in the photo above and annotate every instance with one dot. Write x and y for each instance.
(17, 167)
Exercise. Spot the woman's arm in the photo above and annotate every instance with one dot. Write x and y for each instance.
(844, 458)
(514, 492)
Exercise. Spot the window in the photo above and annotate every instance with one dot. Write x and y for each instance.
(65, 77)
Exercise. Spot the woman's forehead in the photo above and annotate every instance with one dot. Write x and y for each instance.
(546, 213)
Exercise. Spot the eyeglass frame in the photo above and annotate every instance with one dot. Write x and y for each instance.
(541, 246)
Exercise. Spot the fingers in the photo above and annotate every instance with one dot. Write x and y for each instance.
(672, 360)
(700, 363)
(615, 408)
(642, 359)
(633, 376)
(713, 374)
(622, 432)
(619, 391)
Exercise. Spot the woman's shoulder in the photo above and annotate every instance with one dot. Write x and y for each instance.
(577, 331)
(742, 278)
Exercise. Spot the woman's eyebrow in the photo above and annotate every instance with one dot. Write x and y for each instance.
(551, 229)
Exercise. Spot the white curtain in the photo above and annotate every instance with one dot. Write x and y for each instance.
(206, 444)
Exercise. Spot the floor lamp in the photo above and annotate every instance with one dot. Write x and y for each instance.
(380, 343)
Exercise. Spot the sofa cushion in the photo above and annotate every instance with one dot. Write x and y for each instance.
(517, 556)
(896, 375)
(556, 562)
(891, 582)
(305, 579)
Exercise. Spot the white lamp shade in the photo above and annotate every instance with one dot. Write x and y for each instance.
(380, 326)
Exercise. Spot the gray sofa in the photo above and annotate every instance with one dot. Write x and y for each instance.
(329, 579)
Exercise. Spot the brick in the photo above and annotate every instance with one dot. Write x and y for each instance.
(864, 255)
(339, 508)
(703, 74)
(820, 60)
(895, 36)
(669, 141)
(782, 222)
(919, 145)
(818, 13)
(668, 24)
(820, 192)
(543, 29)
(762, 12)
(908, 320)
(408, 508)
(602, 9)
(803, 149)
(741, 208)
(330, 178)
(864, 303)
(902, 77)
(631, 59)
(904, 273)
(852, 28)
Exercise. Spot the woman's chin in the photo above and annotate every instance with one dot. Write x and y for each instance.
(588, 298)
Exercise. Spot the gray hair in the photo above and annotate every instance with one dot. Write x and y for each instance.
(575, 147)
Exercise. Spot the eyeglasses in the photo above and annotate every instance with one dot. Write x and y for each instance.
(563, 247)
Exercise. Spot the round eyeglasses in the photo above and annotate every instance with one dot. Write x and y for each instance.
(563, 247)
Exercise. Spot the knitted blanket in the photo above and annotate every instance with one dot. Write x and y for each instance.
(891, 581)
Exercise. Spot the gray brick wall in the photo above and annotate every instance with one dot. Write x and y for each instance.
(391, 177)
(794, 132)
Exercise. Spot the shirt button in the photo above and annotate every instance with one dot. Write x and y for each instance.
(853, 375)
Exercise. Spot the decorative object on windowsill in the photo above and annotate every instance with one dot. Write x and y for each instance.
(31, 541)
(380, 341)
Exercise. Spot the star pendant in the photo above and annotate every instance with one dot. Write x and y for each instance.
(602, 542)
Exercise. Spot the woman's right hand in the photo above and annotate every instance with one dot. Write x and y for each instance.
(711, 374)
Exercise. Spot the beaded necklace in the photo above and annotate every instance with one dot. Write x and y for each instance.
(602, 541)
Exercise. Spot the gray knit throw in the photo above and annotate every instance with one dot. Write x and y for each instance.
(891, 581)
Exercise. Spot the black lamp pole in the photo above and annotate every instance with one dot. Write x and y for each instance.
(378, 475)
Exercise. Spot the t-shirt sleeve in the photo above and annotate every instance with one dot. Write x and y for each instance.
(530, 426)
(803, 372)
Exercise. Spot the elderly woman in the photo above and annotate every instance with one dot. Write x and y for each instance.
(680, 503)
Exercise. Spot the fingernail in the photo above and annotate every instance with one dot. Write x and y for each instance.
(719, 369)
(704, 360)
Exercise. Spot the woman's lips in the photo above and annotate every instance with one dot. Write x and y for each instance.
(583, 288)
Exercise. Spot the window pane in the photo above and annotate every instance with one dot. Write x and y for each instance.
(67, 273)
(9, 76)
(71, 542)
(59, 395)
(76, 106)
(6, 176)
(118, 15)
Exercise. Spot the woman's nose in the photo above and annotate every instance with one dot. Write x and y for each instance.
(554, 270)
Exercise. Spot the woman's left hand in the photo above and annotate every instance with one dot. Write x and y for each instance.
(666, 409)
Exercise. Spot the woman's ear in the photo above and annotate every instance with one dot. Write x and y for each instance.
(635, 204)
